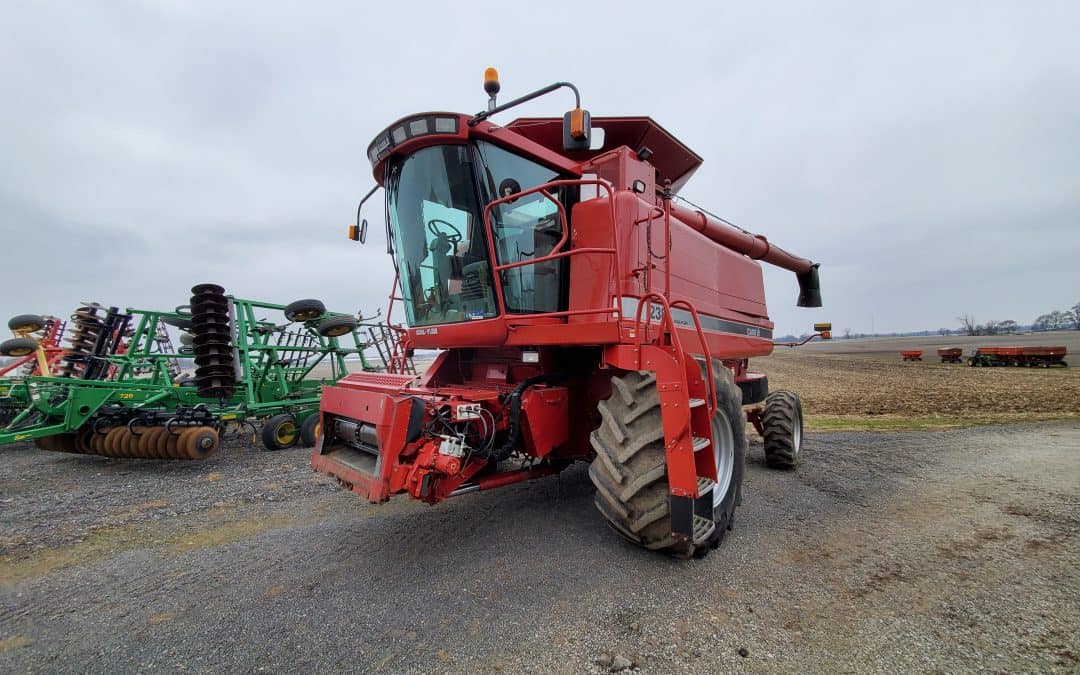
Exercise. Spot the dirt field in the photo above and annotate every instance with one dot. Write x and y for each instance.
(864, 384)
(946, 550)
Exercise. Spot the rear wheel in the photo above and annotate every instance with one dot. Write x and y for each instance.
(280, 432)
(630, 469)
(782, 427)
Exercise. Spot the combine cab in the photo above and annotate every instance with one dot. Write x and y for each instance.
(583, 314)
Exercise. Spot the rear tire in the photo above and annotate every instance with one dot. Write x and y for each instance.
(782, 424)
(630, 469)
(280, 432)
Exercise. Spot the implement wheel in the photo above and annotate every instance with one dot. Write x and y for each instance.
(304, 310)
(26, 322)
(782, 422)
(18, 346)
(280, 432)
(309, 430)
(336, 326)
(630, 469)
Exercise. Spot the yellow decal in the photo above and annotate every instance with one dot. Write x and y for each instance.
(127, 396)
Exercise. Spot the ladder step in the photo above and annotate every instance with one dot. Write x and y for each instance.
(705, 485)
(700, 443)
(697, 402)
(703, 527)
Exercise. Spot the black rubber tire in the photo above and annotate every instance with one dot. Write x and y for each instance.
(307, 430)
(275, 432)
(336, 326)
(304, 310)
(782, 425)
(630, 469)
(28, 322)
(18, 347)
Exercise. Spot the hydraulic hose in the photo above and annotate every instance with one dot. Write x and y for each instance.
(514, 436)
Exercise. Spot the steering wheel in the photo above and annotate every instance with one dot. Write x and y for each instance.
(433, 228)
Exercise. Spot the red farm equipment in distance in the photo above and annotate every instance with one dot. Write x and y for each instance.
(36, 346)
(950, 354)
(1030, 357)
(912, 355)
(582, 314)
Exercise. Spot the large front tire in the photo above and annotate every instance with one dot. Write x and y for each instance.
(630, 469)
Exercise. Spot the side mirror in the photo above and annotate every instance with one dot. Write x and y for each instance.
(577, 125)
(359, 233)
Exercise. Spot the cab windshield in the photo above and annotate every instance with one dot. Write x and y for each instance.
(434, 202)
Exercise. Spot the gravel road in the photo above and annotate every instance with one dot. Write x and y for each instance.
(947, 551)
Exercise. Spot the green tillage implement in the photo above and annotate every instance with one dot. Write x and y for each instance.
(144, 409)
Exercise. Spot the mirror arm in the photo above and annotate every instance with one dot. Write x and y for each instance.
(481, 116)
(361, 205)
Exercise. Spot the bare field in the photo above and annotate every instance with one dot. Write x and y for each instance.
(891, 346)
(848, 385)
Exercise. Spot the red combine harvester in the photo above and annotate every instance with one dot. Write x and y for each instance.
(583, 316)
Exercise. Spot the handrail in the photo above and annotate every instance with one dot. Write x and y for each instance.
(666, 318)
(712, 402)
(556, 251)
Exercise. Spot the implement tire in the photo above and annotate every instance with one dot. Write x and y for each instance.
(782, 425)
(280, 432)
(309, 430)
(304, 310)
(630, 469)
(26, 322)
(18, 347)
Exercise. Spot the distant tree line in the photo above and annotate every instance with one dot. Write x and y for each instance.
(1056, 320)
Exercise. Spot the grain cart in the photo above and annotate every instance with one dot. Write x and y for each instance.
(583, 314)
(950, 354)
(1029, 357)
(133, 401)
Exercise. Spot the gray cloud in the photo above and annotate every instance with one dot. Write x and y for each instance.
(926, 154)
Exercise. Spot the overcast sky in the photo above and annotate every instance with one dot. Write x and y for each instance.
(927, 154)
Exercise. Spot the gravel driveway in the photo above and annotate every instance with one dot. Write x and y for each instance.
(887, 552)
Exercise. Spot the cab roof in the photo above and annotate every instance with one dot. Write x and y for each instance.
(673, 160)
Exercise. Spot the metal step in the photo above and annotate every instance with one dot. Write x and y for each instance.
(700, 443)
(697, 402)
(705, 485)
(703, 527)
